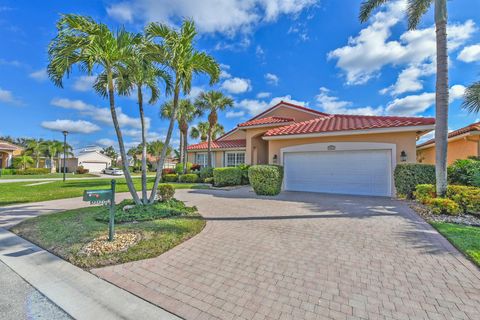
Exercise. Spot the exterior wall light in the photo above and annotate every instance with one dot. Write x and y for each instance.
(275, 158)
(403, 156)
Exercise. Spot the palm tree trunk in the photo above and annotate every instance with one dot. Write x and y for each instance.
(181, 147)
(209, 147)
(441, 98)
(52, 164)
(161, 160)
(185, 145)
(144, 146)
(123, 154)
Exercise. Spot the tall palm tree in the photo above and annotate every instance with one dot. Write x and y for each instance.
(93, 46)
(201, 131)
(212, 101)
(155, 149)
(176, 50)
(415, 10)
(186, 113)
(36, 148)
(53, 147)
(68, 148)
(22, 161)
(472, 98)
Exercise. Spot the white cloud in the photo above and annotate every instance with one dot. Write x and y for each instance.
(235, 114)
(39, 75)
(224, 16)
(470, 54)
(263, 95)
(366, 54)
(6, 96)
(255, 106)
(84, 83)
(409, 79)
(287, 98)
(224, 74)
(102, 115)
(332, 104)
(194, 92)
(272, 78)
(72, 126)
(236, 85)
(105, 142)
(13, 63)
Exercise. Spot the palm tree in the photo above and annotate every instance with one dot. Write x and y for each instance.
(133, 153)
(472, 98)
(93, 46)
(111, 153)
(155, 149)
(186, 113)
(201, 131)
(213, 101)
(68, 148)
(53, 147)
(176, 50)
(415, 10)
(22, 161)
(36, 148)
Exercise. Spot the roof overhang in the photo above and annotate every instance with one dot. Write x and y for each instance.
(352, 132)
(460, 136)
(267, 125)
(219, 149)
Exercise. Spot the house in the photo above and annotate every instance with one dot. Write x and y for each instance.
(320, 152)
(89, 158)
(7, 152)
(462, 143)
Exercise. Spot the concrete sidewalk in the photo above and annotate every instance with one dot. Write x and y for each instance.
(77, 292)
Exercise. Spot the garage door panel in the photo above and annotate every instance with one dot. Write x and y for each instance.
(348, 172)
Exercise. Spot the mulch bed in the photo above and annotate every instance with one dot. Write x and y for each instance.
(101, 245)
(427, 215)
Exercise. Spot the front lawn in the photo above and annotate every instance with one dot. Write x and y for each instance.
(24, 192)
(66, 233)
(46, 176)
(464, 238)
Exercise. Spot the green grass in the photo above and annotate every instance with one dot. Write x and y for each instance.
(19, 192)
(464, 238)
(46, 176)
(65, 234)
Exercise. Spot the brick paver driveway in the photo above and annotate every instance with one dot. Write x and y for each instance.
(303, 256)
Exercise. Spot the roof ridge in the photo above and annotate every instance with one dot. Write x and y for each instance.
(374, 116)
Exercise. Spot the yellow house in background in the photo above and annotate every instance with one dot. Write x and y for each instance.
(7, 152)
(462, 143)
(320, 152)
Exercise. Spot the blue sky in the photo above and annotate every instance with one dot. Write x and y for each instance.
(315, 53)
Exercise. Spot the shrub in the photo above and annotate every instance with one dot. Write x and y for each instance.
(409, 175)
(7, 172)
(206, 172)
(168, 171)
(443, 206)
(81, 170)
(244, 168)
(230, 176)
(209, 180)
(423, 192)
(179, 167)
(170, 178)
(468, 198)
(465, 172)
(165, 192)
(188, 178)
(28, 171)
(266, 179)
(195, 167)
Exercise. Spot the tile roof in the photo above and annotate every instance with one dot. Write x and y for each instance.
(340, 122)
(224, 144)
(290, 105)
(471, 127)
(266, 121)
(8, 146)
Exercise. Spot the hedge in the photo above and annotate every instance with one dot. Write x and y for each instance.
(188, 178)
(409, 175)
(266, 179)
(465, 172)
(244, 168)
(28, 171)
(206, 172)
(230, 176)
(467, 198)
(170, 178)
(444, 206)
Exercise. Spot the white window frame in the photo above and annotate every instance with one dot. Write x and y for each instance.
(205, 162)
(236, 156)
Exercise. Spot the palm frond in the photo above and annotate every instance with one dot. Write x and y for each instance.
(471, 101)
(415, 10)
(367, 7)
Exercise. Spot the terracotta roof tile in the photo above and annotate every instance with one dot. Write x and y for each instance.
(224, 144)
(267, 120)
(471, 127)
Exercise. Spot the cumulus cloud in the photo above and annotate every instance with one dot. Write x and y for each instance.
(72, 126)
(235, 114)
(223, 16)
(253, 107)
(332, 104)
(409, 79)
(272, 79)
(106, 142)
(263, 95)
(236, 85)
(470, 53)
(84, 83)
(102, 115)
(39, 75)
(6, 96)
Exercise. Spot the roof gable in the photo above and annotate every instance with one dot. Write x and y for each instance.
(470, 128)
(283, 104)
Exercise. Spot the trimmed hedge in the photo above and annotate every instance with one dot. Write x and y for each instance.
(244, 168)
(170, 178)
(409, 175)
(443, 206)
(165, 192)
(229, 176)
(467, 198)
(28, 171)
(266, 179)
(188, 178)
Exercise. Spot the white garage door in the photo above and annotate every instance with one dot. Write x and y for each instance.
(364, 172)
(94, 166)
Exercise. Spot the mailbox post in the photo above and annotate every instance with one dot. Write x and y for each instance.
(104, 196)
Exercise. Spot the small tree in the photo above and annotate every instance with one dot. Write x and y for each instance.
(22, 161)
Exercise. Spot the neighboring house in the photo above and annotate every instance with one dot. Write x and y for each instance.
(350, 154)
(89, 158)
(7, 152)
(462, 143)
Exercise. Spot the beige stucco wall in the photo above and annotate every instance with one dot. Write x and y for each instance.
(403, 141)
(457, 149)
(253, 142)
(239, 134)
(217, 154)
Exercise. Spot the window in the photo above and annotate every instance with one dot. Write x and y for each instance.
(201, 159)
(234, 159)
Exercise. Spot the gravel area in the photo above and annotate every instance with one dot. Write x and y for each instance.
(425, 213)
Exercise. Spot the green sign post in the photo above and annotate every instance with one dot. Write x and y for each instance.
(104, 196)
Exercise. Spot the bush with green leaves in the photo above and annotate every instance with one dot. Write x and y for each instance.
(179, 168)
(229, 176)
(468, 198)
(206, 172)
(444, 206)
(170, 177)
(266, 179)
(244, 168)
(165, 192)
(408, 175)
(188, 178)
(424, 192)
(209, 180)
(81, 170)
(465, 172)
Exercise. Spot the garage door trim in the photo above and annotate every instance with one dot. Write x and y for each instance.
(343, 146)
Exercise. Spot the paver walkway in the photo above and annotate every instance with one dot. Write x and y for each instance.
(306, 256)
